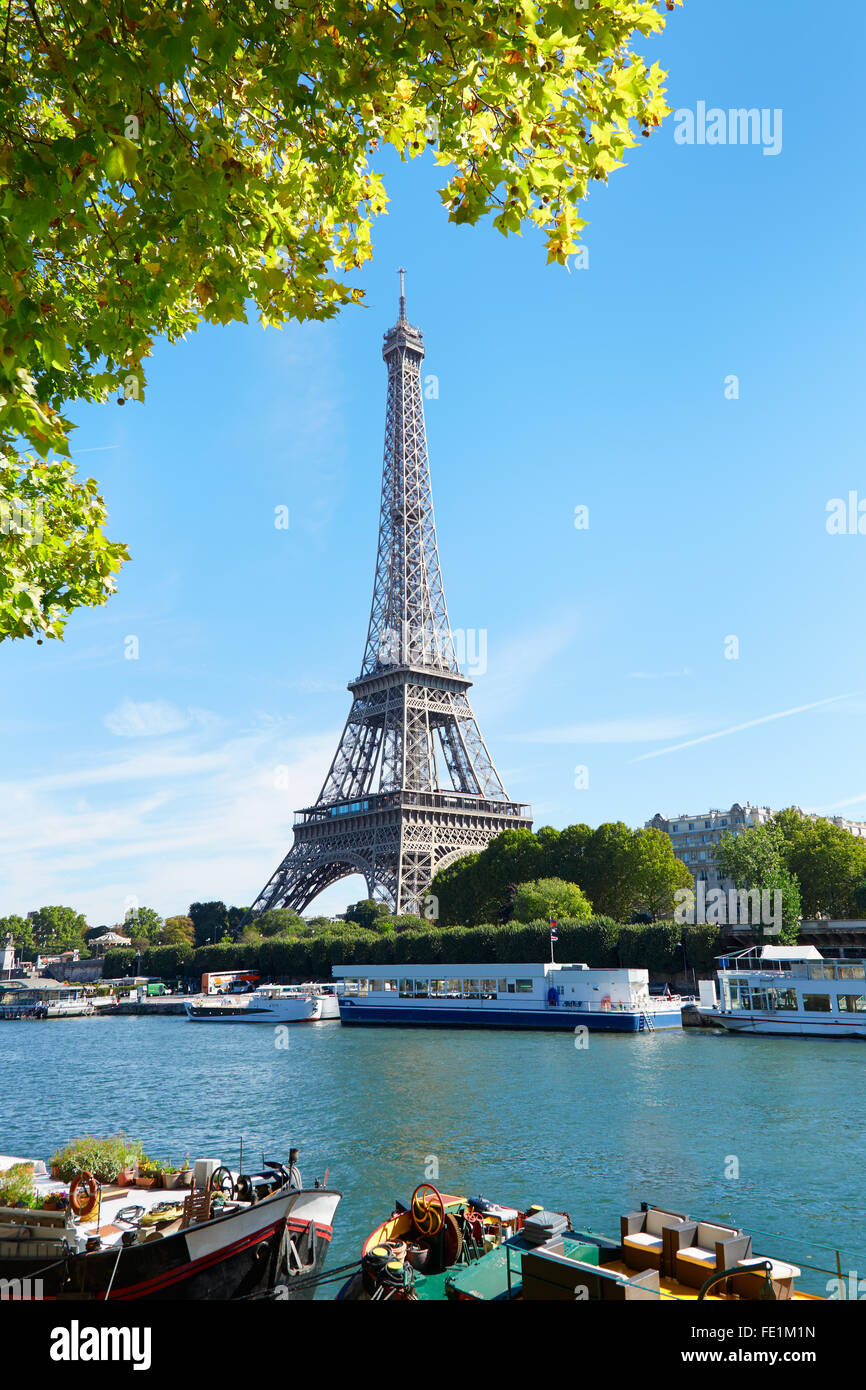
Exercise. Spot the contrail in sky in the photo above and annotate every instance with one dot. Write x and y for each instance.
(737, 728)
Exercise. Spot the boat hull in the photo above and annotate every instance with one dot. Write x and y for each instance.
(455, 1016)
(280, 1011)
(278, 1244)
(796, 1027)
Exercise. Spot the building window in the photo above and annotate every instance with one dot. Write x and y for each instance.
(817, 1003)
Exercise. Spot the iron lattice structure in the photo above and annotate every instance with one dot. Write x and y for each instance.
(412, 786)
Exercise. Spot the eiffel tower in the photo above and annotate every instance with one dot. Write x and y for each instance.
(412, 786)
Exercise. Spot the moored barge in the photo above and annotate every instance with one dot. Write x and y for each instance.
(545, 995)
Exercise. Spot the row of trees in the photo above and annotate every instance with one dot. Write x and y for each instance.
(819, 867)
(598, 942)
(521, 876)
(620, 872)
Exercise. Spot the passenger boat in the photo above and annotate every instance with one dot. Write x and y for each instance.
(444, 1247)
(327, 994)
(267, 1004)
(790, 990)
(546, 995)
(231, 1236)
(43, 999)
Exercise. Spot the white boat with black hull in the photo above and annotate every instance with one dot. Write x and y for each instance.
(231, 1236)
(267, 1004)
(790, 990)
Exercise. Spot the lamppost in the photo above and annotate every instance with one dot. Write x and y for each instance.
(682, 947)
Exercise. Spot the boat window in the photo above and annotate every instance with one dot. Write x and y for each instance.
(503, 986)
(377, 986)
(470, 989)
(852, 1003)
(421, 989)
(817, 1003)
(363, 986)
(407, 989)
(523, 986)
(391, 985)
(829, 971)
(759, 999)
(851, 972)
(784, 999)
(437, 989)
(455, 988)
(740, 997)
(816, 972)
(488, 989)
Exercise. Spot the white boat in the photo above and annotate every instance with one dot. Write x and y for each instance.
(267, 1004)
(790, 990)
(542, 995)
(327, 994)
(43, 999)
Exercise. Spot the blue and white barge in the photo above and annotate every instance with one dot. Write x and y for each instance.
(544, 995)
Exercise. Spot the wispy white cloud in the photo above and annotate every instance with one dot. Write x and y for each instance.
(172, 824)
(145, 719)
(660, 675)
(514, 668)
(738, 728)
(839, 805)
(638, 729)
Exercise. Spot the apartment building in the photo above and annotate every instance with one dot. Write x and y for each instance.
(695, 837)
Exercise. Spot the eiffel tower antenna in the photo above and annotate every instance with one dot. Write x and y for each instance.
(412, 786)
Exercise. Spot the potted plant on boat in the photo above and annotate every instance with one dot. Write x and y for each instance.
(110, 1158)
(177, 1175)
(17, 1188)
(151, 1172)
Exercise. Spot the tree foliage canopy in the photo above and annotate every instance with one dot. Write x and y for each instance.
(548, 898)
(619, 870)
(163, 166)
(828, 861)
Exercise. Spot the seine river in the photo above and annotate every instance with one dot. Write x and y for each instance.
(669, 1118)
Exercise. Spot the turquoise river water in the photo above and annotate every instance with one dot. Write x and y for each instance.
(520, 1118)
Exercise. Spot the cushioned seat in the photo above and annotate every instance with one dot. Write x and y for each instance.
(696, 1256)
(751, 1282)
(706, 1249)
(643, 1234)
(643, 1238)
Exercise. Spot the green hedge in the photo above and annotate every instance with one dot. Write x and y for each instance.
(598, 943)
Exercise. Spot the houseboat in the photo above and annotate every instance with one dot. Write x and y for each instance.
(231, 1235)
(789, 990)
(36, 999)
(448, 1247)
(544, 995)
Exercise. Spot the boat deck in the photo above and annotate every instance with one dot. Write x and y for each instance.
(487, 1279)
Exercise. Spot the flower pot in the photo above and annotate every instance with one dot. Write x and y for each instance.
(125, 1178)
(146, 1180)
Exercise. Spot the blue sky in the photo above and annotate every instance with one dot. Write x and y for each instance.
(173, 777)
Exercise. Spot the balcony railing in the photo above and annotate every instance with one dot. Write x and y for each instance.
(438, 801)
